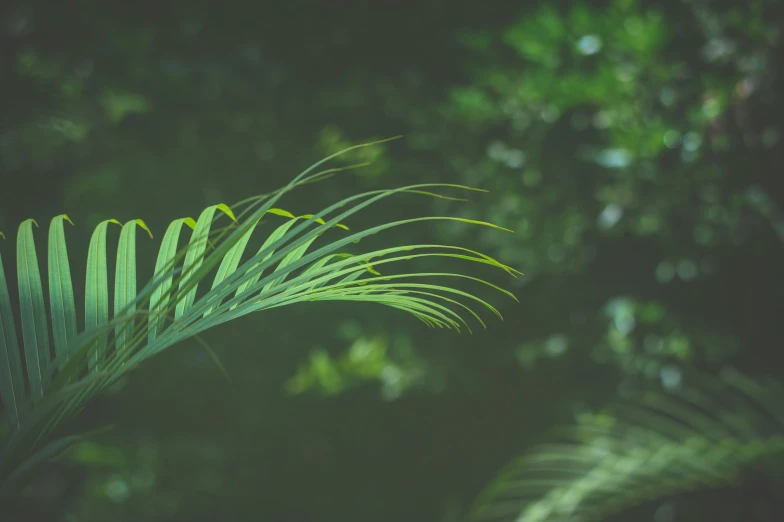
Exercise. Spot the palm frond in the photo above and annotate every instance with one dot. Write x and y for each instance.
(701, 435)
(294, 264)
(31, 304)
(61, 295)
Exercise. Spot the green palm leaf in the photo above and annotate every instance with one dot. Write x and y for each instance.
(195, 255)
(31, 302)
(11, 377)
(61, 296)
(96, 302)
(125, 280)
(701, 435)
(300, 260)
(164, 268)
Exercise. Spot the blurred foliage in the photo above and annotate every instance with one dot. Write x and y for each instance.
(621, 137)
(700, 436)
(621, 120)
(125, 484)
(373, 159)
(393, 363)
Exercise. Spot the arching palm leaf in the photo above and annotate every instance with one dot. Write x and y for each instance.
(700, 436)
(291, 266)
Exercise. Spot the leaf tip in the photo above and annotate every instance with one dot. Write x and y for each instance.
(143, 225)
(226, 210)
(280, 212)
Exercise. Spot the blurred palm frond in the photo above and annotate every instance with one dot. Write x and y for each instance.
(703, 434)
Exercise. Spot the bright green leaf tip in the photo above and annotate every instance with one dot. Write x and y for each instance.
(2, 235)
(280, 212)
(65, 217)
(226, 210)
(142, 224)
(322, 222)
(287, 214)
(477, 222)
(190, 222)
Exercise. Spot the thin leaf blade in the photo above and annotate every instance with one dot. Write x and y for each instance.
(195, 256)
(159, 300)
(96, 300)
(61, 295)
(11, 377)
(125, 282)
(31, 303)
